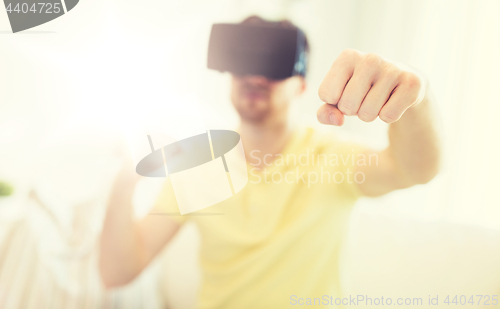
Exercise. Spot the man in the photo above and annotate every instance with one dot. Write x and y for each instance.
(278, 240)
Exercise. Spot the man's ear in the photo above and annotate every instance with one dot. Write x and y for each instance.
(303, 86)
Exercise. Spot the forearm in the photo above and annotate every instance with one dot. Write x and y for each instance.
(414, 143)
(129, 245)
(121, 257)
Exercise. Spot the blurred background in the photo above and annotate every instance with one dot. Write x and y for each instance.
(71, 87)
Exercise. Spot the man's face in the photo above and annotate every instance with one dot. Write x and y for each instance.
(257, 98)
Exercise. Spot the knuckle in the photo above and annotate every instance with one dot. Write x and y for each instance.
(412, 81)
(388, 117)
(393, 73)
(372, 59)
(347, 109)
(349, 53)
(327, 95)
(366, 116)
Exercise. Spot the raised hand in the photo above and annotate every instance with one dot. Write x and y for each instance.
(367, 86)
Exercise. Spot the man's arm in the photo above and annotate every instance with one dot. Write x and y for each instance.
(127, 245)
(412, 157)
(367, 86)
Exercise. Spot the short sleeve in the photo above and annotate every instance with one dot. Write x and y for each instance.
(166, 204)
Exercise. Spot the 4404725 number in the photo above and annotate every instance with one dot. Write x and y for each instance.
(484, 300)
(40, 7)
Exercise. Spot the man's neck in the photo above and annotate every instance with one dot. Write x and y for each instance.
(260, 139)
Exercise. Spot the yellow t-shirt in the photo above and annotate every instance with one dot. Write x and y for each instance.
(276, 242)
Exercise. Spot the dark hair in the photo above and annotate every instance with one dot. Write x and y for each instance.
(284, 24)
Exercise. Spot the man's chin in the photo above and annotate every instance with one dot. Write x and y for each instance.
(253, 110)
(255, 116)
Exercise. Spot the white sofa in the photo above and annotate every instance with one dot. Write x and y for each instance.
(405, 258)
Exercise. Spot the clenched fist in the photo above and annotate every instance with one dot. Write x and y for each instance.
(367, 86)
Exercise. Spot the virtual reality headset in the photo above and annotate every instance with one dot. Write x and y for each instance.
(241, 49)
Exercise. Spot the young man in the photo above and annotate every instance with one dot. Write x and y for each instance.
(278, 240)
